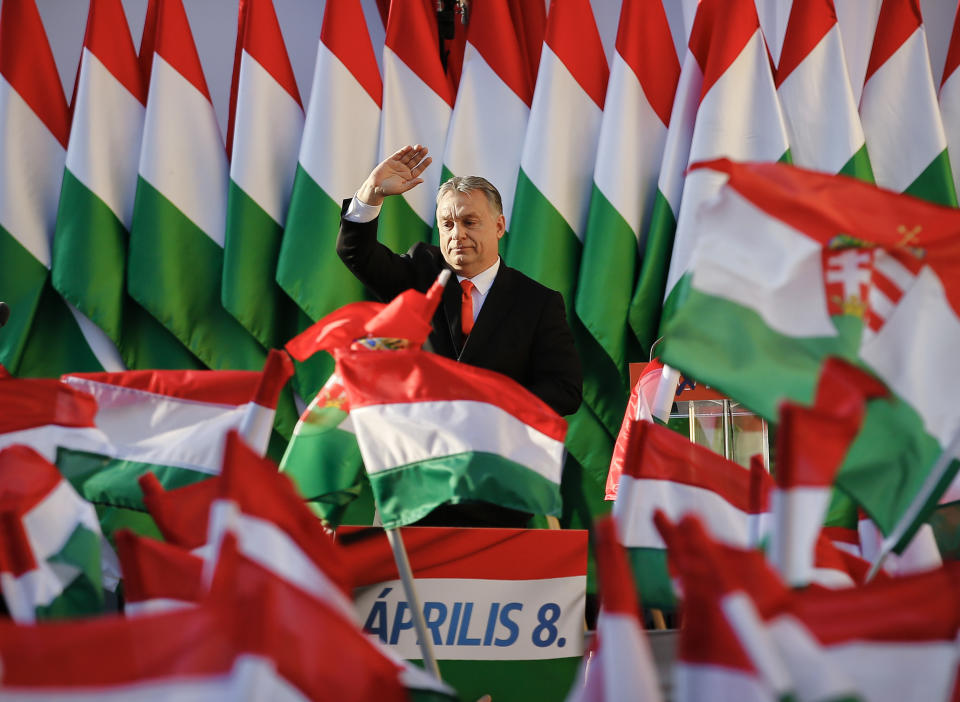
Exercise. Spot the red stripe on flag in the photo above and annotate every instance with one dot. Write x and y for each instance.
(181, 515)
(897, 22)
(276, 372)
(843, 535)
(573, 36)
(26, 478)
(953, 52)
(808, 24)
(263, 40)
(412, 36)
(215, 387)
(108, 38)
(26, 61)
(618, 593)
(154, 569)
(410, 376)
(530, 24)
(341, 33)
(720, 31)
(35, 402)
(491, 33)
(174, 42)
(148, 40)
(645, 43)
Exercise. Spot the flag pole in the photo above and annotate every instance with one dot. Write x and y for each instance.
(930, 485)
(406, 577)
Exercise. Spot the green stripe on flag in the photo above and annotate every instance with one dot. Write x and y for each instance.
(84, 594)
(859, 166)
(22, 279)
(407, 493)
(445, 175)
(935, 184)
(175, 271)
(652, 280)
(652, 578)
(400, 227)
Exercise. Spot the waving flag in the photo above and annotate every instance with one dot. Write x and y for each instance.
(432, 430)
(177, 236)
(266, 123)
(44, 336)
(157, 576)
(182, 514)
(727, 67)
(814, 89)
(908, 148)
(950, 101)
(338, 150)
(797, 266)
(417, 104)
(51, 543)
(96, 199)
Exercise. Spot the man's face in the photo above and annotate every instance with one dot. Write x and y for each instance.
(470, 231)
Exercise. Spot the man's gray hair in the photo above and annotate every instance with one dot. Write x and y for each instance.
(469, 184)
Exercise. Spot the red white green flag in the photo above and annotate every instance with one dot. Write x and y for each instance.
(96, 198)
(263, 138)
(44, 336)
(908, 148)
(175, 259)
(798, 266)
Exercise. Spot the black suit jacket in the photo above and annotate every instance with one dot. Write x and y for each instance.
(521, 330)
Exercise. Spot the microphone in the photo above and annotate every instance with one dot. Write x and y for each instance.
(4, 313)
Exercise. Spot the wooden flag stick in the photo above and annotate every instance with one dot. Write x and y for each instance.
(406, 577)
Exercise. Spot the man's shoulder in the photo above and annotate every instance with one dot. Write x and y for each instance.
(526, 285)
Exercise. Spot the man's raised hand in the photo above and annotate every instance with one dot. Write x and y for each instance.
(396, 174)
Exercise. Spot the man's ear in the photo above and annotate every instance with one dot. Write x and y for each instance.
(501, 226)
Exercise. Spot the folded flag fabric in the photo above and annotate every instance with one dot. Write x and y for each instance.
(173, 423)
(50, 542)
(181, 514)
(796, 267)
(157, 576)
(665, 471)
(432, 430)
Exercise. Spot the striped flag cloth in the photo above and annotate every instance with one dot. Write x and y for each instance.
(664, 471)
(263, 137)
(172, 423)
(96, 198)
(811, 445)
(338, 150)
(949, 98)
(908, 148)
(727, 66)
(50, 547)
(175, 259)
(643, 81)
(799, 266)
(44, 335)
(621, 667)
(490, 116)
(813, 85)
(157, 576)
(432, 430)
(417, 104)
(181, 514)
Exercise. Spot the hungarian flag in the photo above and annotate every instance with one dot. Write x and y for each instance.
(44, 335)
(157, 576)
(621, 666)
(908, 148)
(432, 430)
(50, 548)
(96, 198)
(798, 266)
(727, 67)
(173, 423)
(417, 104)
(949, 98)
(338, 150)
(180, 209)
(490, 116)
(263, 137)
(664, 471)
(813, 85)
(181, 514)
(643, 80)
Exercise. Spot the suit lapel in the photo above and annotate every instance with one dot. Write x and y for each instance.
(451, 310)
(495, 308)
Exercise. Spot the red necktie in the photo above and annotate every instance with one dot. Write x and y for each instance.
(466, 307)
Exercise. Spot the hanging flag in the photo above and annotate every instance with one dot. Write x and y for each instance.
(338, 150)
(813, 85)
(43, 336)
(157, 576)
(949, 98)
(432, 430)
(908, 148)
(622, 666)
(177, 236)
(493, 104)
(665, 471)
(726, 67)
(643, 80)
(96, 199)
(417, 104)
(173, 423)
(50, 545)
(798, 266)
